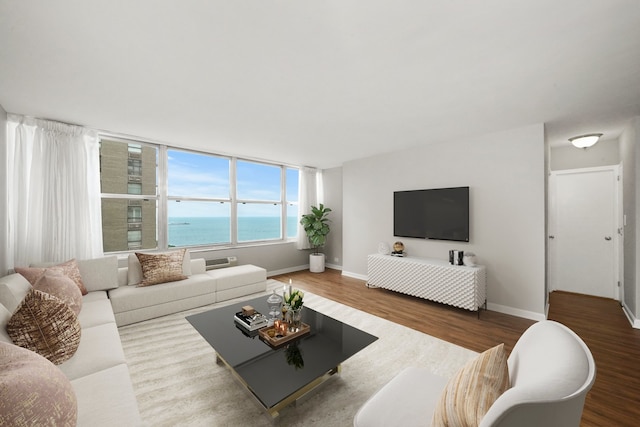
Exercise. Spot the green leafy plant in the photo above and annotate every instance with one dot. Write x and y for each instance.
(316, 225)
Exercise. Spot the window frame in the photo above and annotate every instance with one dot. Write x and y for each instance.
(162, 198)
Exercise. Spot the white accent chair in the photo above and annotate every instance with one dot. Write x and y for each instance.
(550, 369)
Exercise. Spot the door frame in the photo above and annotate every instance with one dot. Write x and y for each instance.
(618, 252)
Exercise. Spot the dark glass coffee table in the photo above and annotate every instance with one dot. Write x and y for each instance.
(278, 377)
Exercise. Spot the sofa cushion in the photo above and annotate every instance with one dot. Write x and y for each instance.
(33, 391)
(46, 325)
(100, 348)
(99, 274)
(127, 298)
(95, 311)
(240, 275)
(69, 268)
(13, 289)
(471, 392)
(135, 273)
(114, 405)
(161, 268)
(53, 282)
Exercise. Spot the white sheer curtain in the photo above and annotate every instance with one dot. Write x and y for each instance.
(54, 192)
(309, 194)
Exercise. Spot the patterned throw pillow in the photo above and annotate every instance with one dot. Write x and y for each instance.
(134, 273)
(68, 268)
(161, 268)
(46, 325)
(34, 392)
(471, 392)
(55, 283)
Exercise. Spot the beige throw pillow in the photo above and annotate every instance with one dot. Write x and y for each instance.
(34, 392)
(471, 392)
(68, 268)
(134, 271)
(54, 282)
(46, 325)
(161, 268)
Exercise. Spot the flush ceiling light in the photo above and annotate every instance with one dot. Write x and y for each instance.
(585, 141)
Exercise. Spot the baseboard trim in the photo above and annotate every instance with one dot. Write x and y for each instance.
(287, 270)
(516, 312)
(334, 266)
(299, 268)
(355, 275)
(635, 323)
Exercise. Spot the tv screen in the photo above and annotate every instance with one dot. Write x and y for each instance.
(438, 214)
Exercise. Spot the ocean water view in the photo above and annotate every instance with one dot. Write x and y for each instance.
(188, 231)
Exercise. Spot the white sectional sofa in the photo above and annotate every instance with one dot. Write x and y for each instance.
(133, 304)
(98, 371)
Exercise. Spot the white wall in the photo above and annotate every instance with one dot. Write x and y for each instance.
(604, 153)
(506, 175)
(4, 221)
(332, 184)
(629, 141)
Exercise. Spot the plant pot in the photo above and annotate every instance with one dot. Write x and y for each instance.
(316, 263)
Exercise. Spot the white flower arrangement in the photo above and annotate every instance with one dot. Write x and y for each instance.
(294, 299)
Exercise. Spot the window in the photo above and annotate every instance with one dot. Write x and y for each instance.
(134, 214)
(203, 204)
(134, 168)
(199, 199)
(134, 188)
(134, 239)
(259, 198)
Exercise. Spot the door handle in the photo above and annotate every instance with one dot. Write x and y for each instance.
(607, 238)
(552, 237)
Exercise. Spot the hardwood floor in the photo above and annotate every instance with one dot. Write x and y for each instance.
(614, 399)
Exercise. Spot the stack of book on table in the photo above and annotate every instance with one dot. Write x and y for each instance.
(250, 319)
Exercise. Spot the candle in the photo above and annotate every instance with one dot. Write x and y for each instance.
(283, 328)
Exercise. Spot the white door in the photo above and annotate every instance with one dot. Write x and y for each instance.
(583, 237)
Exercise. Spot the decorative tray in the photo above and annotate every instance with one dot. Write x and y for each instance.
(279, 340)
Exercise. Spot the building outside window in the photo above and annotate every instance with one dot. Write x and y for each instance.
(128, 177)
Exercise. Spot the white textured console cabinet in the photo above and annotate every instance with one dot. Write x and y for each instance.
(435, 280)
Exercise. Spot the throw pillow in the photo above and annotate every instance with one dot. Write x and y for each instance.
(53, 282)
(161, 268)
(34, 392)
(46, 325)
(69, 268)
(134, 271)
(471, 392)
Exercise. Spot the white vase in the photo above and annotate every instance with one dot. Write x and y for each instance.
(316, 263)
(469, 260)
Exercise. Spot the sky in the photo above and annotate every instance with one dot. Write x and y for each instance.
(202, 176)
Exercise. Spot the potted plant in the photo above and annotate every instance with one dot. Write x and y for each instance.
(316, 225)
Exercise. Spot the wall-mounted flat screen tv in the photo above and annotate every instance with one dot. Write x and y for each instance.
(438, 214)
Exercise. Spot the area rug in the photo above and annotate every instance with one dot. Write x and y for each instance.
(178, 382)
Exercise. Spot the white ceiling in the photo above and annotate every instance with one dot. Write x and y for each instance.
(322, 82)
